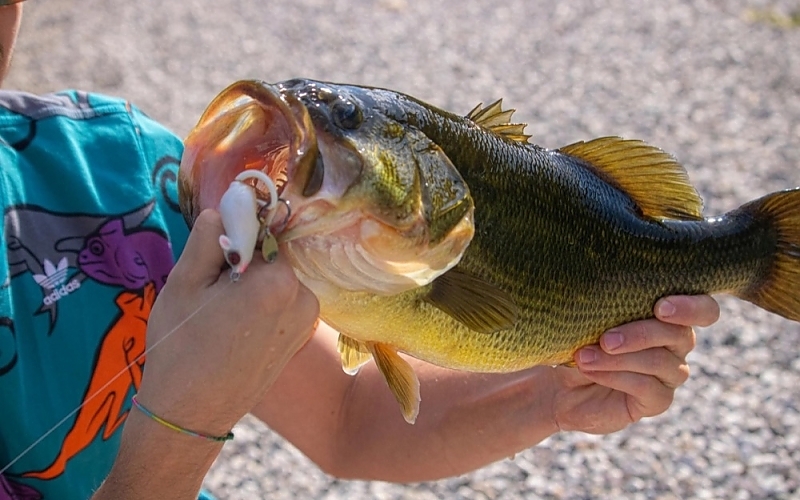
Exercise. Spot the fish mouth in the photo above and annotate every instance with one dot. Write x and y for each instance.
(340, 232)
(249, 125)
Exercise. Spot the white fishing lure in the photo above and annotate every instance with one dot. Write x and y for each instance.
(239, 209)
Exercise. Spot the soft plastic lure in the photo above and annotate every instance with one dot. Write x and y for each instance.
(240, 209)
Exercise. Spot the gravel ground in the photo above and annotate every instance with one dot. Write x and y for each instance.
(700, 79)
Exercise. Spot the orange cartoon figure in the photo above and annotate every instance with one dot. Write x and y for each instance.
(120, 362)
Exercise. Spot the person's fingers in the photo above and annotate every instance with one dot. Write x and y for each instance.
(272, 285)
(202, 258)
(647, 334)
(646, 396)
(658, 362)
(571, 377)
(688, 310)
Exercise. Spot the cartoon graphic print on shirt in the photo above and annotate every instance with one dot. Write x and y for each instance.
(116, 363)
(8, 345)
(75, 106)
(10, 490)
(92, 309)
(37, 239)
(127, 259)
(113, 251)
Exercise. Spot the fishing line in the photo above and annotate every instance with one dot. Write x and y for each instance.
(124, 370)
(271, 209)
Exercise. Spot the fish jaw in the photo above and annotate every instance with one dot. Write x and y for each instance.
(351, 225)
(355, 254)
(391, 213)
(249, 125)
(336, 242)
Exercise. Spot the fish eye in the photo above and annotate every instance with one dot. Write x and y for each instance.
(347, 115)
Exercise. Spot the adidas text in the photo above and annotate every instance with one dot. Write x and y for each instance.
(61, 291)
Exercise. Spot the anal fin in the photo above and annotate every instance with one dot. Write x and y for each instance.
(400, 377)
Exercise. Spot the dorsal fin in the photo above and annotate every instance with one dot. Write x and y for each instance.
(655, 181)
(498, 121)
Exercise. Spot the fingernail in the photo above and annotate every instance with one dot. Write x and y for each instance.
(587, 355)
(666, 309)
(612, 339)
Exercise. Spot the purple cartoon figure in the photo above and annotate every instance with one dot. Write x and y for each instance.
(128, 259)
(10, 490)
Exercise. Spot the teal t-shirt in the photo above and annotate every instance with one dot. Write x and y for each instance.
(91, 228)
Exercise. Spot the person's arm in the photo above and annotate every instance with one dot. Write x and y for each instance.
(352, 427)
(10, 17)
(230, 342)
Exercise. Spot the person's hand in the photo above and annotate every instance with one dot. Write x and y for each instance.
(231, 340)
(634, 371)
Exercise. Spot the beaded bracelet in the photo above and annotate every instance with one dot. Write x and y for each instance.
(178, 428)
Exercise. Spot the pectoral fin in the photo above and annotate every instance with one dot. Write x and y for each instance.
(481, 306)
(401, 378)
(354, 354)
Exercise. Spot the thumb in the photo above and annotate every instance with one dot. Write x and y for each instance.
(202, 259)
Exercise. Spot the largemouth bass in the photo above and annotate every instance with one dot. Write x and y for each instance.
(457, 241)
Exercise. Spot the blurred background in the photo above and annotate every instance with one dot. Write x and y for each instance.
(715, 83)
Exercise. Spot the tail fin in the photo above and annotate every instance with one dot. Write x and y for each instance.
(779, 290)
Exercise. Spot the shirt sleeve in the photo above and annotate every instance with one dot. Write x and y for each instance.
(162, 151)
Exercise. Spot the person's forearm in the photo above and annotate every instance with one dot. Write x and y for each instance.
(157, 462)
(351, 427)
(466, 421)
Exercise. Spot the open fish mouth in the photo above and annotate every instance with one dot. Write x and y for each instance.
(249, 125)
(372, 205)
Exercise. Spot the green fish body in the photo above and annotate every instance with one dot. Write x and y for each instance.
(567, 243)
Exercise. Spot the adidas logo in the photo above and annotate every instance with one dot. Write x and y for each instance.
(53, 276)
(54, 280)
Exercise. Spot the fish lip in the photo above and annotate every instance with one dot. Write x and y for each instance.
(227, 133)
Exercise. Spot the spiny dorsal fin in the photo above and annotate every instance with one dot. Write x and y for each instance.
(479, 305)
(655, 181)
(401, 378)
(354, 354)
(498, 121)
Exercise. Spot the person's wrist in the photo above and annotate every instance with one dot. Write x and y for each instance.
(155, 459)
(192, 413)
(555, 386)
(178, 428)
(149, 430)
